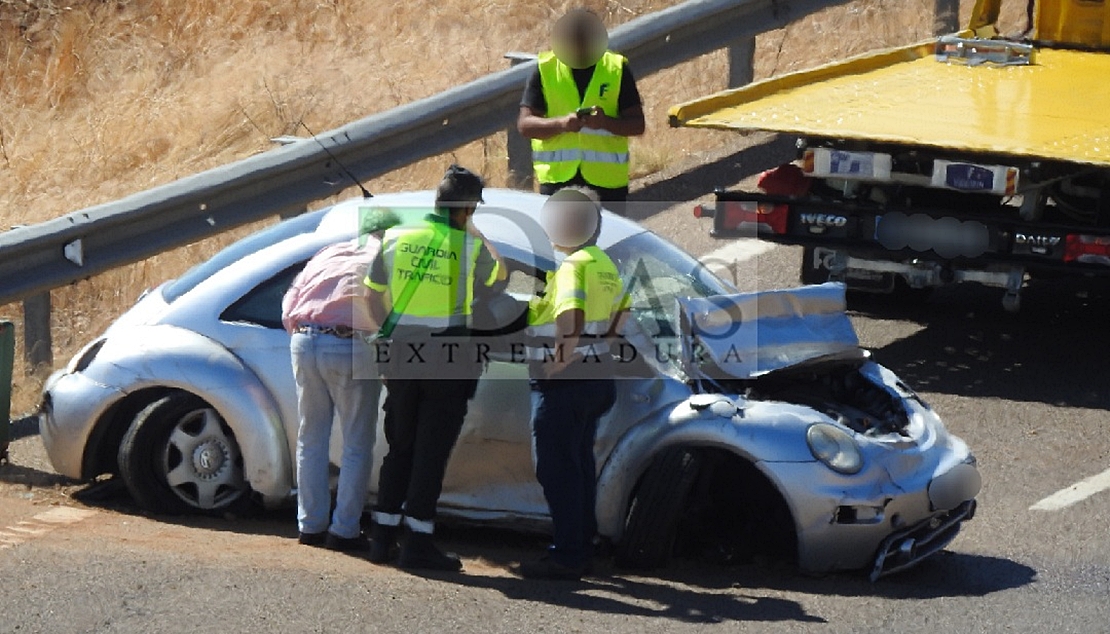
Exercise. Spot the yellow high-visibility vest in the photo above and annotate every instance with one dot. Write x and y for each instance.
(600, 155)
(587, 280)
(438, 262)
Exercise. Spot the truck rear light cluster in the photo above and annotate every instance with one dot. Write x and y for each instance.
(1087, 249)
(732, 215)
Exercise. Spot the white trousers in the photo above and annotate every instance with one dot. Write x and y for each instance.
(335, 381)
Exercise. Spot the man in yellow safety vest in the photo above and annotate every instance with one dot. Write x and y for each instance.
(422, 287)
(583, 307)
(579, 108)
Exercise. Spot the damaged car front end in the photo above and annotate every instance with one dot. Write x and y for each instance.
(883, 484)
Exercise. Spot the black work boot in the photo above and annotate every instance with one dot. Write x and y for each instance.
(419, 553)
(383, 543)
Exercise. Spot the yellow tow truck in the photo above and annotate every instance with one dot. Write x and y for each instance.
(971, 157)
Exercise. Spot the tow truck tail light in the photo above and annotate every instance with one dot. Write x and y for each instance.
(766, 217)
(808, 161)
(1011, 180)
(1087, 249)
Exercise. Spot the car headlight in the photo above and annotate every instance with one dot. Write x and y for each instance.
(834, 447)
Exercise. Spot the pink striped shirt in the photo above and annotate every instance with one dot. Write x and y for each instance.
(330, 291)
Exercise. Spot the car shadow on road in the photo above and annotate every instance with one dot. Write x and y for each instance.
(946, 574)
(11, 473)
(968, 346)
(642, 597)
(110, 493)
(694, 591)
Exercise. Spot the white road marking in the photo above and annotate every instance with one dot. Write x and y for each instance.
(738, 250)
(725, 261)
(63, 515)
(26, 531)
(1075, 493)
(10, 540)
(40, 524)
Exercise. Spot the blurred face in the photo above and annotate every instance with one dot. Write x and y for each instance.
(579, 39)
(570, 219)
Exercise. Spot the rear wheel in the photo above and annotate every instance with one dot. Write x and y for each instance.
(179, 456)
(657, 507)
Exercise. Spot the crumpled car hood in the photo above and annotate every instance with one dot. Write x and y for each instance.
(745, 335)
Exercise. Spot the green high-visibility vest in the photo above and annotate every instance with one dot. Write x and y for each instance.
(601, 156)
(431, 273)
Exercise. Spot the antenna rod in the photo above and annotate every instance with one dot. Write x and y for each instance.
(365, 192)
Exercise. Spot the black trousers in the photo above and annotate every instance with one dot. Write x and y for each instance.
(565, 413)
(423, 418)
(614, 199)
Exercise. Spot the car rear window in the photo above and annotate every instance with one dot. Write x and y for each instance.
(262, 304)
(239, 250)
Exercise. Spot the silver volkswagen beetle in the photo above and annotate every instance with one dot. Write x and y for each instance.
(746, 425)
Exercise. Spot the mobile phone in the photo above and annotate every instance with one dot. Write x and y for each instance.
(585, 112)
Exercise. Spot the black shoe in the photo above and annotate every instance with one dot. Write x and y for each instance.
(419, 553)
(547, 568)
(312, 539)
(347, 544)
(383, 543)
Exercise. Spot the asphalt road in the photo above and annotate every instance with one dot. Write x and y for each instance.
(1029, 392)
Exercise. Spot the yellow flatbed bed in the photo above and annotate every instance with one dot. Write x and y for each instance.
(1056, 108)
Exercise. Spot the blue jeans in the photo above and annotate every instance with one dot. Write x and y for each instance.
(564, 422)
(330, 386)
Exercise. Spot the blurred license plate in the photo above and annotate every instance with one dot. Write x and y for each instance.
(947, 237)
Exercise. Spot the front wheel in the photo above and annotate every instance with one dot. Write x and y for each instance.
(657, 507)
(179, 456)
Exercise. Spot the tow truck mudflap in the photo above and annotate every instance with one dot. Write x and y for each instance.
(908, 547)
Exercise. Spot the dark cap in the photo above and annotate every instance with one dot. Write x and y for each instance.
(460, 187)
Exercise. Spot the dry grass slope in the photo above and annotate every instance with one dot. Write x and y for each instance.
(102, 98)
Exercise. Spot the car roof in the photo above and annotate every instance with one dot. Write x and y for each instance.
(519, 228)
(508, 218)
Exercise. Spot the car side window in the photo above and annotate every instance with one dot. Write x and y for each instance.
(524, 283)
(262, 304)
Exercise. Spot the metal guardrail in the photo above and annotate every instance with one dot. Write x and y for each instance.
(87, 242)
(37, 258)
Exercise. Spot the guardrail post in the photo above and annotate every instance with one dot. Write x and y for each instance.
(518, 147)
(7, 358)
(946, 16)
(37, 343)
(741, 62)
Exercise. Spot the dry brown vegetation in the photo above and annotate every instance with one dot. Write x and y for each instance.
(102, 98)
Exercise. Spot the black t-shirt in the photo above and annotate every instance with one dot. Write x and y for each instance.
(629, 96)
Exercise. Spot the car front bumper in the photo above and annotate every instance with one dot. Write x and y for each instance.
(871, 522)
(71, 405)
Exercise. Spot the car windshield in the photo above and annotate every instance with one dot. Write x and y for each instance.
(253, 243)
(657, 273)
